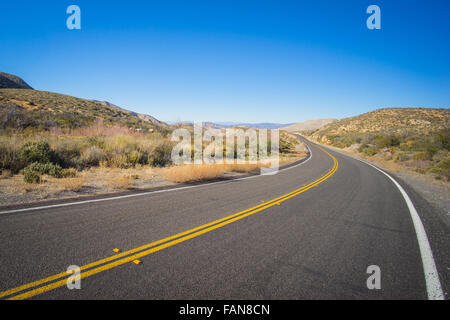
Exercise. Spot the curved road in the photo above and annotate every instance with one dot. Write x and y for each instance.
(315, 243)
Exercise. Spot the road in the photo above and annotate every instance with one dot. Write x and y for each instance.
(333, 217)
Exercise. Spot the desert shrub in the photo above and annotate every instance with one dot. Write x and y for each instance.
(401, 156)
(30, 176)
(137, 157)
(370, 151)
(97, 142)
(362, 147)
(436, 170)
(442, 154)
(37, 152)
(69, 173)
(285, 146)
(92, 156)
(68, 152)
(442, 138)
(49, 168)
(10, 158)
(431, 150)
(444, 164)
(420, 156)
(161, 155)
(386, 141)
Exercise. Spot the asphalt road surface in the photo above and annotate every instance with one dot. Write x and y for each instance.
(333, 217)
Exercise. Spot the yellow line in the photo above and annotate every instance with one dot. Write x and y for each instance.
(160, 244)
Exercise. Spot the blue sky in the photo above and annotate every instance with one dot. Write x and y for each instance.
(243, 61)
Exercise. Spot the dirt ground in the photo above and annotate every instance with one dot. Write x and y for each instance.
(94, 181)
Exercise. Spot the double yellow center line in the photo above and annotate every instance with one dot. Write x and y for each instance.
(38, 287)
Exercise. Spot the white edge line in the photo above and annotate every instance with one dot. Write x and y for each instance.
(145, 193)
(433, 284)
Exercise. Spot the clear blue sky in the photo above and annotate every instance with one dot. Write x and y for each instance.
(247, 61)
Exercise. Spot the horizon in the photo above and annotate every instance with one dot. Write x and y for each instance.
(208, 62)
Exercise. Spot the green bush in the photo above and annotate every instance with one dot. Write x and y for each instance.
(30, 176)
(444, 164)
(68, 173)
(37, 152)
(431, 151)
(420, 156)
(370, 151)
(68, 152)
(161, 155)
(436, 170)
(92, 156)
(46, 168)
(386, 141)
(443, 139)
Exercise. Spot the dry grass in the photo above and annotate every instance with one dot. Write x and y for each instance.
(193, 173)
(121, 182)
(89, 182)
(5, 174)
(188, 173)
(71, 184)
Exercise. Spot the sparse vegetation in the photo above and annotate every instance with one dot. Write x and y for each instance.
(31, 109)
(53, 142)
(416, 138)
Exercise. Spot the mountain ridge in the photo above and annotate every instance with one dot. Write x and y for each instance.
(10, 81)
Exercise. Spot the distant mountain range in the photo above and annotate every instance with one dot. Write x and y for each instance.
(224, 125)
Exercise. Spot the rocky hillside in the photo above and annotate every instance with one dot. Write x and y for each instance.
(309, 125)
(24, 108)
(12, 82)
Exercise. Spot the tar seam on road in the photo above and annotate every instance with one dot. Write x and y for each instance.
(59, 280)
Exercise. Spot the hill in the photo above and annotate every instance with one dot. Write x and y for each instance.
(400, 122)
(23, 108)
(12, 82)
(309, 125)
(142, 116)
(415, 138)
